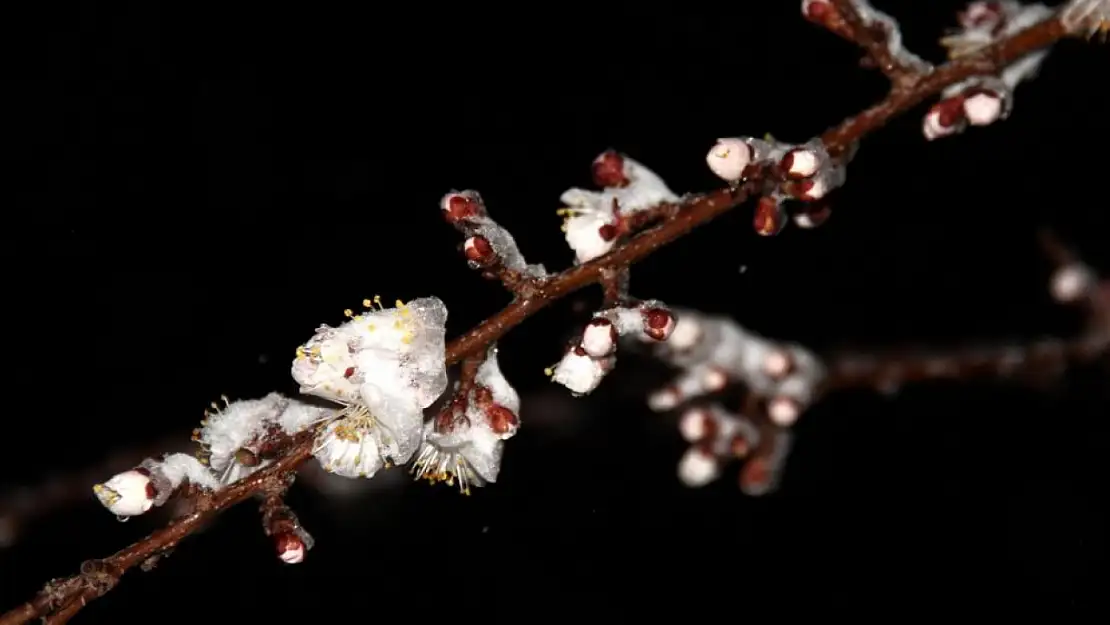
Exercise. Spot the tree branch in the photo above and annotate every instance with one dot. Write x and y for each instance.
(62, 598)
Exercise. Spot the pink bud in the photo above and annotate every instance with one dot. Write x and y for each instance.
(783, 411)
(777, 363)
(729, 158)
(600, 338)
(696, 424)
(983, 108)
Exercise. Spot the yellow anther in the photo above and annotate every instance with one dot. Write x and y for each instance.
(348, 313)
(549, 371)
(367, 303)
(399, 304)
(371, 327)
(397, 325)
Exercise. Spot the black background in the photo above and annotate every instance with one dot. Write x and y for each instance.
(196, 188)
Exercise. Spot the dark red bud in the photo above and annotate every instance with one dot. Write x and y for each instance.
(770, 218)
(478, 250)
(501, 419)
(608, 232)
(458, 206)
(608, 170)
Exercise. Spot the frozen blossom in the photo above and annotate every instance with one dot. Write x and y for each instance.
(593, 220)
(464, 444)
(384, 366)
(151, 484)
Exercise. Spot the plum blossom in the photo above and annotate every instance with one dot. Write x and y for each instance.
(465, 442)
(384, 366)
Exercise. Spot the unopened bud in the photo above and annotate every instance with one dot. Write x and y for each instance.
(800, 163)
(130, 493)
(784, 411)
(729, 158)
(944, 119)
(290, 547)
(770, 216)
(478, 250)
(599, 338)
(983, 108)
(459, 206)
(658, 323)
(608, 170)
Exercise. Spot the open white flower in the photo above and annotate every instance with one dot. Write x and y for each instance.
(466, 445)
(385, 366)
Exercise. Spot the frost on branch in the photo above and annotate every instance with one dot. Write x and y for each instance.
(984, 100)
(384, 366)
(465, 441)
(713, 352)
(825, 13)
(239, 438)
(585, 363)
(488, 246)
(1086, 17)
(594, 220)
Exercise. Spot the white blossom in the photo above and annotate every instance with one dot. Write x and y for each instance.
(384, 366)
(466, 448)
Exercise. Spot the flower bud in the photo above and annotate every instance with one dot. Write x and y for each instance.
(608, 170)
(290, 547)
(600, 338)
(658, 323)
(479, 251)
(697, 424)
(770, 217)
(783, 411)
(698, 467)
(983, 108)
(729, 158)
(818, 11)
(130, 493)
(946, 118)
(800, 163)
(460, 206)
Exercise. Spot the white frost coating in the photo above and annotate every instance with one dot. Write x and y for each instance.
(1086, 16)
(176, 468)
(580, 373)
(504, 245)
(125, 494)
(237, 425)
(587, 211)
(697, 468)
(729, 158)
(583, 233)
(385, 365)
(490, 376)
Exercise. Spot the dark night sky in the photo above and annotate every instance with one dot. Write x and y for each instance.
(196, 189)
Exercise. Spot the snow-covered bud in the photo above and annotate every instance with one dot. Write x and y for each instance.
(479, 251)
(714, 379)
(687, 332)
(697, 424)
(460, 206)
(983, 108)
(946, 118)
(783, 411)
(812, 215)
(580, 373)
(659, 323)
(770, 216)
(600, 338)
(1071, 282)
(818, 11)
(777, 364)
(608, 170)
(664, 399)
(290, 547)
(729, 158)
(698, 467)
(812, 189)
(590, 234)
(800, 163)
(130, 493)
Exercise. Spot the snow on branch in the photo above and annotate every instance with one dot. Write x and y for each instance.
(369, 381)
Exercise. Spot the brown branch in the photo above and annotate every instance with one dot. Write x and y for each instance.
(847, 22)
(66, 596)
